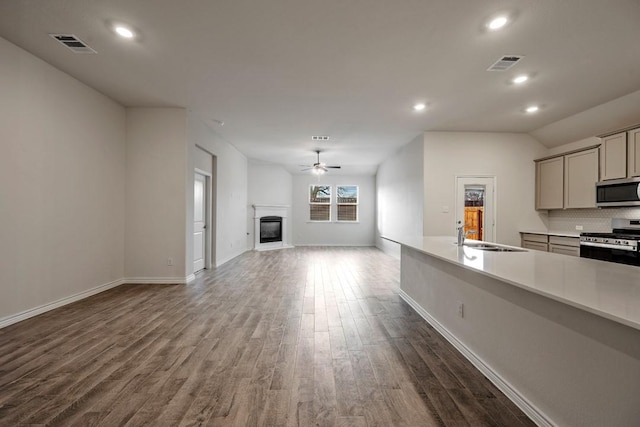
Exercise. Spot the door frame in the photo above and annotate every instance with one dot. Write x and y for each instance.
(207, 215)
(490, 205)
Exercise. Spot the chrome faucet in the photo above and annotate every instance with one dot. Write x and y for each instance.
(462, 234)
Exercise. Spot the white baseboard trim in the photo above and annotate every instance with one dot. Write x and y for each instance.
(156, 280)
(519, 400)
(227, 259)
(273, 248)
(191, 278)
(24, 315)
(341, 245)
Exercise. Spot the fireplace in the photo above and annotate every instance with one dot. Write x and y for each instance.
(270, 229)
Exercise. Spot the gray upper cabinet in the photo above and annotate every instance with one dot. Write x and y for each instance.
(568, 181)
(613, 157)
(549, 183)
(633, 137)
(580, 177)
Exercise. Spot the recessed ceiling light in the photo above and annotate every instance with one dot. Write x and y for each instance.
(419, 107)
(520, 79)
(124, 32)
(532, 109)
(497, 23)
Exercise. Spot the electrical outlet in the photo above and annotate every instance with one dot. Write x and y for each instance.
(579, 227)
(169, 261)
(460, 309)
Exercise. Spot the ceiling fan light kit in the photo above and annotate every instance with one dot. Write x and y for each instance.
(318, 168)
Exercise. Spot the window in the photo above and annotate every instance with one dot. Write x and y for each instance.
(347, 202)
(320, 203)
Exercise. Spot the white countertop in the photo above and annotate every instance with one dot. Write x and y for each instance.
(552, 233)
(603, 288)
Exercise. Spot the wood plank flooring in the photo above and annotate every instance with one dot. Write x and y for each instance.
(305, 336)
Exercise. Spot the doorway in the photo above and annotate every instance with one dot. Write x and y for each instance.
(475, 206)
(201, 220)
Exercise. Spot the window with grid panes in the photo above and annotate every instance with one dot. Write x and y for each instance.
(347, 202)
(320, 203)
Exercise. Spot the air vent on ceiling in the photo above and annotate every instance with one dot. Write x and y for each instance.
(319, 138)
(73, 43)
(506, 62)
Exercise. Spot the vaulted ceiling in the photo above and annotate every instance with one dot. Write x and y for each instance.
(277, 72)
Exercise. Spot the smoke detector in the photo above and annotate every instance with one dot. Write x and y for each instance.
(72, 42)
(506, 62)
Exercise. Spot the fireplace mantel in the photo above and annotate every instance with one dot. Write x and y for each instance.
(261, 211)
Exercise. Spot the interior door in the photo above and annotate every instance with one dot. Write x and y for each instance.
(483, 220)
(199, 221)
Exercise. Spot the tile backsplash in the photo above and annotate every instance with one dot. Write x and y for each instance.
(589, 219)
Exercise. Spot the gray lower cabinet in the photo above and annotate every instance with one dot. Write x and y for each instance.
(537, 242)
(564, 245)
(551, 243)
(536, 246)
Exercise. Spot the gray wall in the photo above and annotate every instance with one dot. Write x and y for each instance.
(230, 183)
(268, 185)
(507, 156)
(155, 208)
(400, 196)
(333, 233)
(62, 185)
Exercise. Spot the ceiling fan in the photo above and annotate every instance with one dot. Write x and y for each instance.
(318, 168)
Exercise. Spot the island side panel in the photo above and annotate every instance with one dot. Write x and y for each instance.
(571, 367)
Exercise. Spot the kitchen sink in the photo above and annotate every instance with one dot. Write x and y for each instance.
(492, 248)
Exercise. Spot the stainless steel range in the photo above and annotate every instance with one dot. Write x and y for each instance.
(620, 246)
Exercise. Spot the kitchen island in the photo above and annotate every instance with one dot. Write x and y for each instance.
(559, 335)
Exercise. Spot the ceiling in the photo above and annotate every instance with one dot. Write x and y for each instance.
(277, 72)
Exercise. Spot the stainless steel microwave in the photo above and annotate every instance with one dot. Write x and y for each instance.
(618, 193)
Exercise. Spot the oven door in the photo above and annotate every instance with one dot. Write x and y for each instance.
(609, 253)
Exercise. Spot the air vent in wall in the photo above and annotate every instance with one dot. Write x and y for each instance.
(73, 43)
(506, 62)
(319, 138)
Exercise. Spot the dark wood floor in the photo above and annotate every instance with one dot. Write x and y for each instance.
(306, 336)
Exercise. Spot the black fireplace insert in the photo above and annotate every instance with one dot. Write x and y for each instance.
(270, 229)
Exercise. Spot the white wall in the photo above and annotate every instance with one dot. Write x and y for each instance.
(400, 196)
(334, 233)
(268, 185)
(62, 181)
(507, 156)
(230, 182)
(155, 208)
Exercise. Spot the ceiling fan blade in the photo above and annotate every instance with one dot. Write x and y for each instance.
(333, 167)
(302, 170)
(305, 166)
